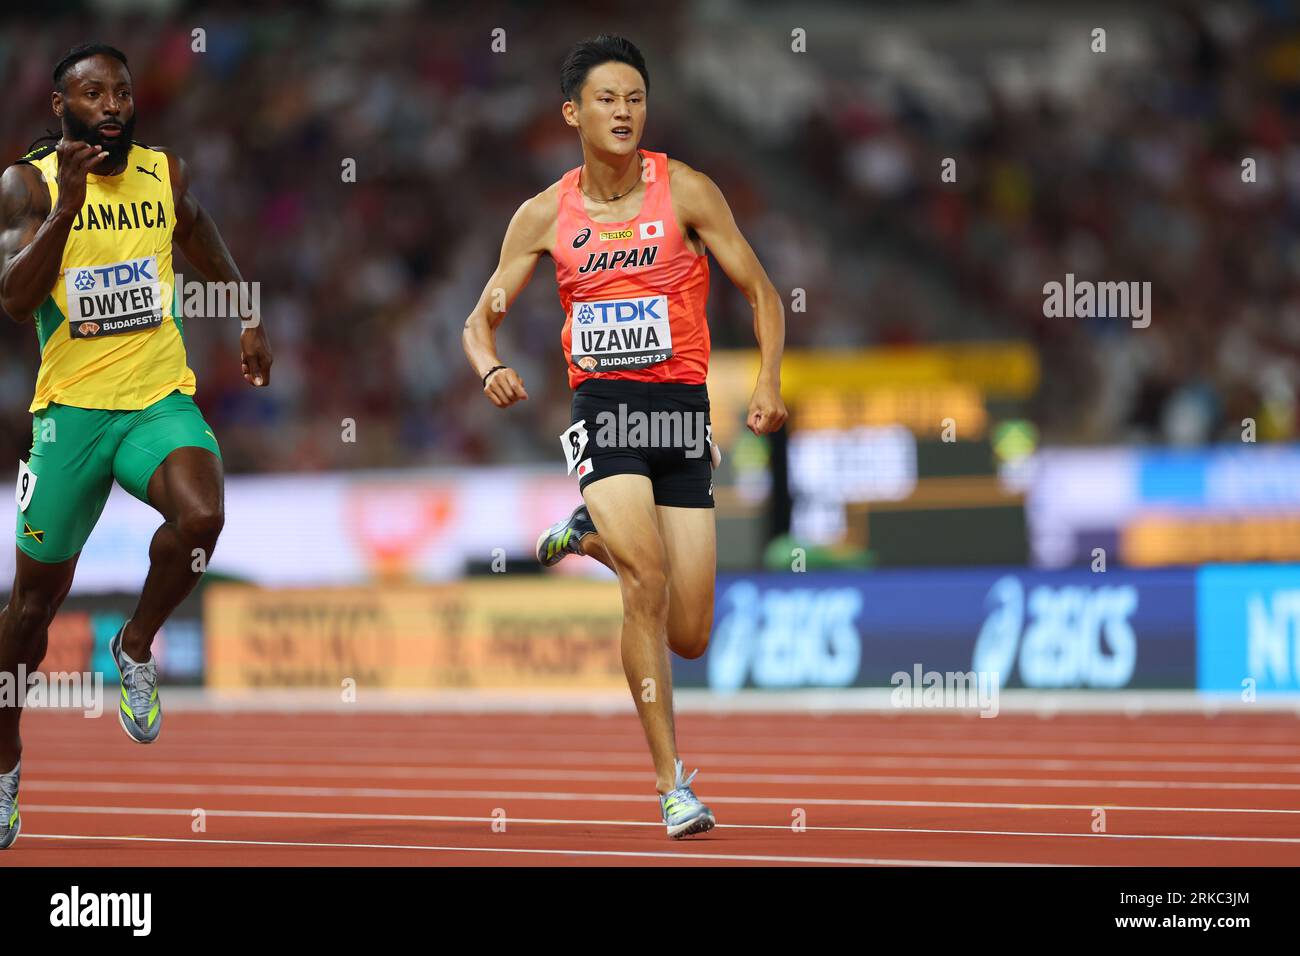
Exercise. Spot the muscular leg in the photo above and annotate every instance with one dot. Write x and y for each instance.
(38, 591)
(593, 547)
(623, 506)
(690, 539)
(187, 490)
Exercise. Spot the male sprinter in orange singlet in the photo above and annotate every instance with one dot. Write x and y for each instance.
(630, 232)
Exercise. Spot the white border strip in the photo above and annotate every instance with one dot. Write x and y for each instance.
(439, 818)
(695, 857)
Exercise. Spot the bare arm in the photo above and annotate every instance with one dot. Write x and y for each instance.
(527, 237)
(195, 232)
(32, 235)
(32, 242)
(703, 208)
(198, 237)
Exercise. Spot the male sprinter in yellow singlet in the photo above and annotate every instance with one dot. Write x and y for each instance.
(630, 232)
(87, 227)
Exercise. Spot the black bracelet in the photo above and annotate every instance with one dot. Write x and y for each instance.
(494, 368)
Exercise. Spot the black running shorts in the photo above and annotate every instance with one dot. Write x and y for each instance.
(658, 429)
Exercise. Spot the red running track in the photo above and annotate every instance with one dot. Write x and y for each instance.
(367, 789)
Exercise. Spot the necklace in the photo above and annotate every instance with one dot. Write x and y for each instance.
(611, 198)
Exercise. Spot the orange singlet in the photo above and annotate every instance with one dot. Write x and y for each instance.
(633, 292)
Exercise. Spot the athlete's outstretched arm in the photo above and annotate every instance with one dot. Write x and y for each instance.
(527, 237)
(706, 212)
(32, 235)
(200, 240)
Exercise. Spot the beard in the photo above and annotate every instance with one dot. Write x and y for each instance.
(117, 149)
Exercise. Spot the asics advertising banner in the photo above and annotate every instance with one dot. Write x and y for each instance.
(1051, 630)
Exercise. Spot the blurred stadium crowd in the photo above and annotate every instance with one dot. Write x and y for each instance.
(1116, 166)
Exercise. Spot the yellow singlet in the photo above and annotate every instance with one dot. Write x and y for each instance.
(109, 334)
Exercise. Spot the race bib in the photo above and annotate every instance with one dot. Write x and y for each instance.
(113, 299)
(621, 333)
(26, 485)
(574, 440)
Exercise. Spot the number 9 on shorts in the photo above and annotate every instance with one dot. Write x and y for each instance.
(26, 485)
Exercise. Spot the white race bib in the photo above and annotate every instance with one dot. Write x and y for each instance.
(574, 440)
(26, 485)
(620, 333)
(113, 298)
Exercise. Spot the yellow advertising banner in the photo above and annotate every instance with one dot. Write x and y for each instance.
(1163, 540)
(546, 633)
(997, 369)
(971, 372)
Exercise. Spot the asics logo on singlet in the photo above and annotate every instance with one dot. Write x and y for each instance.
(626, 310)
(581, 238)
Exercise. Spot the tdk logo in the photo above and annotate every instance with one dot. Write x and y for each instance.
(628, 310)
(118, 274)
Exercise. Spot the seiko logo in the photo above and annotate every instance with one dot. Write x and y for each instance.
(614, 235)
(581, 238)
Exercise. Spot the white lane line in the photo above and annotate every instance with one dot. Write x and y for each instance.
(806, 703)
(627, 747)
(103, 786)
(423, 768)
(439, 818)
(873, 749)
(427, 741)
(865, 740)
(886, 781)
(744, 858)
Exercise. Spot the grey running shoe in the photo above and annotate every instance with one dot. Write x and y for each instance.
(562, 537)
(684, 814)
(10, 822)
(140, 711)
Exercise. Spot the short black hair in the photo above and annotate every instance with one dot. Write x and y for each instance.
(83, 52)
(589, 54)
